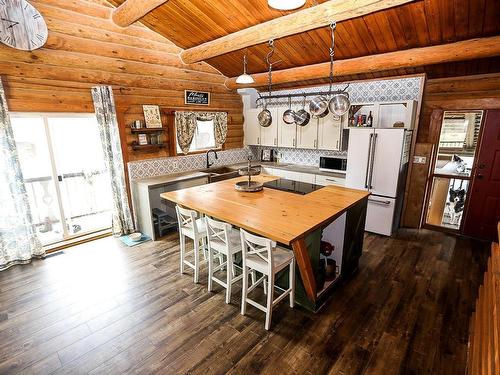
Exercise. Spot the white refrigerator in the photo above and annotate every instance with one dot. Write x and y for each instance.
(377, 161)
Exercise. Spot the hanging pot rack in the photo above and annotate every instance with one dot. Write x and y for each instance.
(297, 95)
(323, 100)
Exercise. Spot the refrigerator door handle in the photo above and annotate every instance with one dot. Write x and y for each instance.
(386, 202)
(374, 143)
(368, 161)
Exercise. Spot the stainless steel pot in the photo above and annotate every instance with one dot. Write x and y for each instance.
(302, 117)
(289, 114)
(265, 118)
(318, 106)
(339, 103)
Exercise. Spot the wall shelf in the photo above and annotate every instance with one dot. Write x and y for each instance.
(148, 148)
(147, 130)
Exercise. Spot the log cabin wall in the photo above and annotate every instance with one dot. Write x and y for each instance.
(86, 48)
(457, 93)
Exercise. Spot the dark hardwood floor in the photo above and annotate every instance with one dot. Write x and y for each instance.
(105, 308)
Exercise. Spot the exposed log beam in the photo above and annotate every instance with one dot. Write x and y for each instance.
(410, 58)
(133, 10)
(295, 23)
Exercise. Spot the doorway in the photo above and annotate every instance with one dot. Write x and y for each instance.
(452, 168)
(483, 212)
(64, 172)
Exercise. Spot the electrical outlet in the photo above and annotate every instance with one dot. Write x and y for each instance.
(419, 160)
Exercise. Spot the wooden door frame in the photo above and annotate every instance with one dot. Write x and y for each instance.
(435, 129)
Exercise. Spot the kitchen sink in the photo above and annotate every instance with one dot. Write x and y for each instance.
(221, 173)
(220, 170)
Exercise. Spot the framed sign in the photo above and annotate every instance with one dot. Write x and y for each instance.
(196, 97)
(152, 116)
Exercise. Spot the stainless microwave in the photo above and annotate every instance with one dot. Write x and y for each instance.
(336, 164)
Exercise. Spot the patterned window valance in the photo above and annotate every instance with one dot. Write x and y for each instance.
(186, 122)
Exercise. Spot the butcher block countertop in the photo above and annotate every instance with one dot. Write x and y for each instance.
(278, 215)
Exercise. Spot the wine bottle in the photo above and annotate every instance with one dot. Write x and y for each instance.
(369, 120)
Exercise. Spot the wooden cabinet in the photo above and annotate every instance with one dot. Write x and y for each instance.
(307, 136)
(269, 135)
(330, 132)
(287, 133)
(252, 127)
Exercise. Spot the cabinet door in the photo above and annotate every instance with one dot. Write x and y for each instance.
(329, 180)
(269, 135)
(287, 133)
(329, 132)
(252, 127)
(307, 136)
(307, 177)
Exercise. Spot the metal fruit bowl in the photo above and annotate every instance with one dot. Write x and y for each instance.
(248, 186)
(249, 171)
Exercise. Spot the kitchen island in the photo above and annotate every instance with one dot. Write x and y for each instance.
(299, 222)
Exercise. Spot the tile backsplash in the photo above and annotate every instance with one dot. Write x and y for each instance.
(295, 155)
(163, 166)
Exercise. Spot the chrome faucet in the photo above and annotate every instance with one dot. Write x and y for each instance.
(208, 162)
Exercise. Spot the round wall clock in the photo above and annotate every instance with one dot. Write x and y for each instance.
(21, 25)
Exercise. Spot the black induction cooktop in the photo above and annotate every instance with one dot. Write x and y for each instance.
(292, 186)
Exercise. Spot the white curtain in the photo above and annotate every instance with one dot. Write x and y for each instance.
(104, 106)
(18, 240)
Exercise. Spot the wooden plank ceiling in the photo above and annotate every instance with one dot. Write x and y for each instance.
(417, 24)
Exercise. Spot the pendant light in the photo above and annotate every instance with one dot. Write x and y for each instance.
(244, 78)
(286, 4)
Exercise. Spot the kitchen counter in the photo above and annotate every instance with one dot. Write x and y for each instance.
(182, 176)
(170, 178)
(288, 218)
(300, 168)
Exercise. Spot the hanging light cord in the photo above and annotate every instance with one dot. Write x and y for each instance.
(245, 63)
(333, 26)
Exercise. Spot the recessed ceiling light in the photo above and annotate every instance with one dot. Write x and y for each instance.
(286, 4)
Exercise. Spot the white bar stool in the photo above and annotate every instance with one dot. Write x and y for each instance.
(193, 227)
(223, 241)
(262, 255)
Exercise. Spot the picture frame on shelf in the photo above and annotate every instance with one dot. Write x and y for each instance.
(152, 116)
(142, 139)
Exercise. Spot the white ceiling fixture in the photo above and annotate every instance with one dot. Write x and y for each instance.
(244, 78)
(286, 4)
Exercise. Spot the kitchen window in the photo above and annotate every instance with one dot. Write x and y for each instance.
(204, 137)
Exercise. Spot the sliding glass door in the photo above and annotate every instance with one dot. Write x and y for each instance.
(66, 179)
